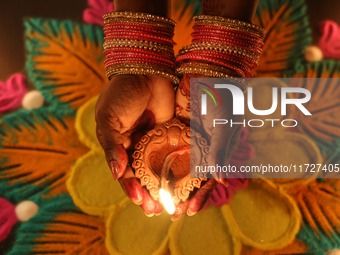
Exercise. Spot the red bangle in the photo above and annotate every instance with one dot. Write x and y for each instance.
(135, 37)
(199, 36)
(223, 39)
(245, 61)
(138, 50)
(227, 31)
(142, 36)
(224, 35)
(138, 28)
(236, 69)
(236, 62)
(136, 55)
(229, 43)
(140, 61)
(121, 30)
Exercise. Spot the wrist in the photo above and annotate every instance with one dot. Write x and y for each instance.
(234, 9)
(156, 7)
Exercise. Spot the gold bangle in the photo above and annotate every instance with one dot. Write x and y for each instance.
(148, 45)
(229, 57)
(215, 74)
(227, 21)
(240, 67)
(134, 34)
(142, 69)
(139, 16)
(220, 47)
(250, 30)
(157, 59)
(128, 25)
(256, 49)
(120, 20)
(142, 66)
(211, 71)
(208, 66)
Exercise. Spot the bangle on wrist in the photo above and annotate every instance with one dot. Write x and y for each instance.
(222, 48)
(139, 43)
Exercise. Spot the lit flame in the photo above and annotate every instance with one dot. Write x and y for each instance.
(167, 201)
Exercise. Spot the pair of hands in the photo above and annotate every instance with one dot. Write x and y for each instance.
(130, 105)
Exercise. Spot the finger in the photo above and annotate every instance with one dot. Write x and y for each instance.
(149, 204)
(183, 97)
(112, 143)
(235, 141)
(243, 153)
(202, 195)
(158, 209)
(180, 210)
(223, 143)
(131, 186)
(230, 157)
(218, 148)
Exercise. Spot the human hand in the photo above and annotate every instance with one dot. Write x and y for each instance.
(129, 106)
(223, 139)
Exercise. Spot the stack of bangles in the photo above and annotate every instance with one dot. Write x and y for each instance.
(139, 43)
(222, 48)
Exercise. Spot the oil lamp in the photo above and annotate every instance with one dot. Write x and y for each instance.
(162, 162)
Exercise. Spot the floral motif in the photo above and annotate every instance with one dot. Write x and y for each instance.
(7, 218)
(65, 62)
(97, 8)
(12, 92)
(329, 41)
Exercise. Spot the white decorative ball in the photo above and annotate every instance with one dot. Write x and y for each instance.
(26, 210)
(32, 100)
(313, 54)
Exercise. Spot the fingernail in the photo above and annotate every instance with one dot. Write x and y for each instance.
(114, 169)
(157, 214)
(137, 202)
(150, 215)
(190, 213)
(223, 178)
(173, 218)
(224, 181)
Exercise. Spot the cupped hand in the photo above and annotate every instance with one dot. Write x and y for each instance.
(129, 106)
(222, 139)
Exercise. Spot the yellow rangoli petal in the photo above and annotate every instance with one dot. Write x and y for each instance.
(92, 186)
(263, 216)
(202, 234)
(86, 125)
(130, 232)
(288, 149)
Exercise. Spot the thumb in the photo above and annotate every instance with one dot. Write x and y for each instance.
(110, 139)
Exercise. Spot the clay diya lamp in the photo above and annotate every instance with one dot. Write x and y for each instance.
(162, 161)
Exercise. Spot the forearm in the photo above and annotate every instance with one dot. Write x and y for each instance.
(236, 9)
(157, 7)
